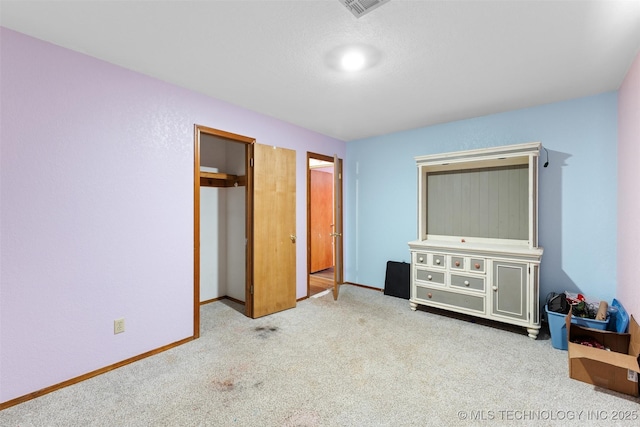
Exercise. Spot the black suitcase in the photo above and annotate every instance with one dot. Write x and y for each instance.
(396, 282)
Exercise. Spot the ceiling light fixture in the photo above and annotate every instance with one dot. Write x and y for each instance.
(352, 57)
(353, 60)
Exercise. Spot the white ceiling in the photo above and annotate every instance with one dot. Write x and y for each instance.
(438, 61)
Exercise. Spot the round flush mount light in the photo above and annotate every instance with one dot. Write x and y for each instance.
(352, 58)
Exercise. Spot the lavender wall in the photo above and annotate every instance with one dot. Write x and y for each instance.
(97, 209)
(628, 190)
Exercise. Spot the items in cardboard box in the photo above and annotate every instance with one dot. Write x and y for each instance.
(590, 342)
(616, 369)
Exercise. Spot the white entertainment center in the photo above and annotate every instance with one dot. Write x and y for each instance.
(477, 249)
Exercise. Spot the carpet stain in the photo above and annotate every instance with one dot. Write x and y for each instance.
(226, 385)
(302, 419)
(239, 369)
(362, 321)
(266, 331)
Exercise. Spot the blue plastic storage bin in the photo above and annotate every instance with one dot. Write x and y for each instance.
(558, 327)
(591, 323)
(618, 318)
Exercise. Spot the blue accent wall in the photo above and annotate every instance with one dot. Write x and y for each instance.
(577, 191)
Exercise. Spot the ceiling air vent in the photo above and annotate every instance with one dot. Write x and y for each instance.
(362, 7)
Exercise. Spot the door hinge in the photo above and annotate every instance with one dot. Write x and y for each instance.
(251, 289)
(251, 162)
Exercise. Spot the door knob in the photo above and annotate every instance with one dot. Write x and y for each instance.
(293, 238)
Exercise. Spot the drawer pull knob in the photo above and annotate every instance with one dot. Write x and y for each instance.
(420, 259)
(457, 263)
(429, 277)
(429, 295)
(437, 261)
(477, 266)
(495, 288)
(466, 283)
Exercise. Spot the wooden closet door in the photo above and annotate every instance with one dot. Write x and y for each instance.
(274, 230)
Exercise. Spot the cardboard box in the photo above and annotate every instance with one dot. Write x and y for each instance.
(616, 369)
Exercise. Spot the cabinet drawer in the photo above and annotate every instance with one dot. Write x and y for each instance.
(477, 265)
(457, 263)
(438, 260)
(469, 302)
(430, 276)
(466, 282)
(421, 259)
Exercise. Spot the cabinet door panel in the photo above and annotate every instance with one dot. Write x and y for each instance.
(509, 290)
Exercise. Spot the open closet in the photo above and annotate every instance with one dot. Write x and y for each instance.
(244, 223)
(223, 204)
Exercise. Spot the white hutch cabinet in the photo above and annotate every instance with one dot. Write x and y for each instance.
(477, 249)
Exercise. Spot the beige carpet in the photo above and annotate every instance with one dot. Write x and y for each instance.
(364, 360)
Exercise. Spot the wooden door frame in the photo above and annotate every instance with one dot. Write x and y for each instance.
(338, 229)
(330, 159)
(232, 137)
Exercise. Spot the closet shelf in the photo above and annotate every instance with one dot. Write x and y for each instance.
(216, 179)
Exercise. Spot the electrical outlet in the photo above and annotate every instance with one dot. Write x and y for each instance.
(118, 326)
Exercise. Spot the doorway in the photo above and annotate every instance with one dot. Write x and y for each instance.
(244, 223)
(324, 224)
(221, 223)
